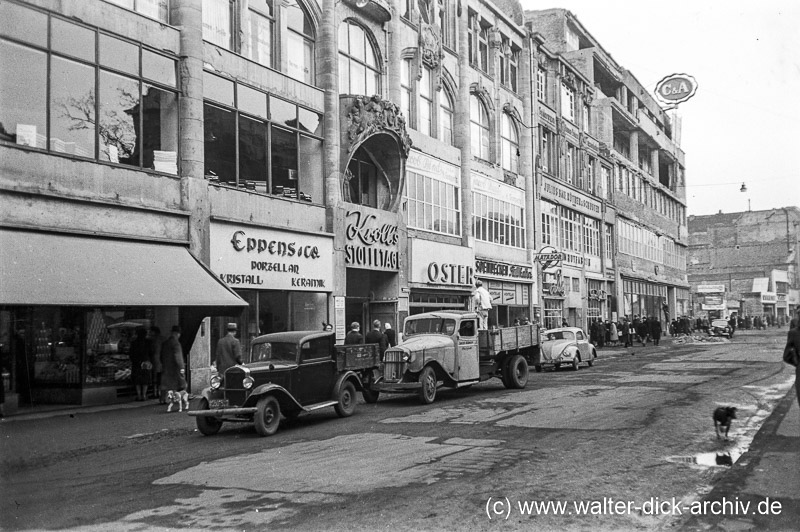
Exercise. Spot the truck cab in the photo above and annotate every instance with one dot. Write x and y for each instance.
(447, 349)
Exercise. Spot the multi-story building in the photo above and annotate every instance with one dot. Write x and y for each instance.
(611, 180)
(745, 263)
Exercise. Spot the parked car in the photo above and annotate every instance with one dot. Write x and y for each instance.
(566, 345)
(287, 374)
(720, 328)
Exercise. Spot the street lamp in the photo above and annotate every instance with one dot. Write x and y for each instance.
(744, 189)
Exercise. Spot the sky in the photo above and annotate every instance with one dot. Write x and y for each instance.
(743, 124)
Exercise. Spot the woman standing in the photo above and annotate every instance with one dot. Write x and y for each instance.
(141, 355)
(173, 372)
(614, 334)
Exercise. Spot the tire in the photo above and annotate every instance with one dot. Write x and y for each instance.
(516, 373)
(268, 416)
(370, 396)
(538, 368)
(347, 400)
(208, 426)
(427, 394)
(575, 363)
(591, 358)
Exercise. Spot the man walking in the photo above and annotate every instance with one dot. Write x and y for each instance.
(375, 336)
(482, 303)
(229, 350)
(354, 337)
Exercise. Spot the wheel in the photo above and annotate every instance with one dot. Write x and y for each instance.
(347, 400)
(370, 396)
(591, 358)
(208, 426)
(268, 416)
(575, 363)
(427, 394)
(538, 368)
(516, 373)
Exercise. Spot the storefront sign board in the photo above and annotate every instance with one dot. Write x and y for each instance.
(441, 264)
(371, 240)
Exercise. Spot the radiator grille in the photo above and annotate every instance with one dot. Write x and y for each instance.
(234, 391)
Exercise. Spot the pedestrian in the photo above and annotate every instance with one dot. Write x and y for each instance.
(626, 333)
(614, 334)
(173, 369)
(327, 326)
(375, 336)
(482, 304)
(391, 334)
(641, 330)
(229, 350)
(601, 333)
(155, 340)
(732, 323)
(141, 355)
(354, 336)
(793, 342)
(564, 322)
(655, 330)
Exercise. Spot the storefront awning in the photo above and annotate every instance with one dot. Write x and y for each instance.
(58, 269)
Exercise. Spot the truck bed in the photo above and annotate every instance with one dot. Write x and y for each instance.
(355, 357)
(512, 338)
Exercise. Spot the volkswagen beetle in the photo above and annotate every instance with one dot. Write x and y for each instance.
(566, 346)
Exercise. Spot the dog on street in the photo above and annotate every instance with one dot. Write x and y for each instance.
(723, 416)
(180, 397)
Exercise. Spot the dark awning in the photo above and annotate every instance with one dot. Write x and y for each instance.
(59, 269)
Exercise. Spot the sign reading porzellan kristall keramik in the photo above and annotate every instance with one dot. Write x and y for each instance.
(271, 259)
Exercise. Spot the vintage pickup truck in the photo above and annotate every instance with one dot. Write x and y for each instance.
(447, 349)
(287, 374)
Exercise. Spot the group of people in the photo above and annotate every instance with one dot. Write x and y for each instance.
(157, 362)
(641, 329)
(385, 338)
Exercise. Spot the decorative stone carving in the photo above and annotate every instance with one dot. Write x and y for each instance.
(569, 79)
(483, 94)
(372, 114)
(430, 46)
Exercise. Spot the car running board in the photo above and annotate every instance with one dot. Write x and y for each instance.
(317, 406)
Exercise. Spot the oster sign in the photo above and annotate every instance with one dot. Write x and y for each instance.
(676, 88)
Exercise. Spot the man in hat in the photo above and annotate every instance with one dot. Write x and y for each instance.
(482, 304)
(354, 336)
(229, 350)
(375, 336)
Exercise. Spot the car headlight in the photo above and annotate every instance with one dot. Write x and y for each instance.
(216, 382)
(409, 357)
(564, 353)
(247, 382)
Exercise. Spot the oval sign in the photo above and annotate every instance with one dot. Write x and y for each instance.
(676, 88)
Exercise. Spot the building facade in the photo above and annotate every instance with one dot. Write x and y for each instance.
(745, 263)
(611, 181)
(286, 164)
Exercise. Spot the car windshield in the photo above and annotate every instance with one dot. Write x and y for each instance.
(430, 326)
(560, 335)
(275, 352)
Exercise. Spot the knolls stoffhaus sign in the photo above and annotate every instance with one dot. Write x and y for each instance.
(676, 88)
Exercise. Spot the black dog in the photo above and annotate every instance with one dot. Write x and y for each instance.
(723, 416)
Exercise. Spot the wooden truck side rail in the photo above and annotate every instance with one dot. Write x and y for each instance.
(512, 338)
(355, 357)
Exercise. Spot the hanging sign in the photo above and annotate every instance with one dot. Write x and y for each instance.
(676, 88)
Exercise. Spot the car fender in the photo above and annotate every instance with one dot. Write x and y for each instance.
(284, 397)
(344, 377)
(440, 372)
(571, 352)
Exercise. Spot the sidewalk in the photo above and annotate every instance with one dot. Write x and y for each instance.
(767, 477)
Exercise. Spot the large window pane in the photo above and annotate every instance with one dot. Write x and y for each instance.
(297, 19)
(252, 101)
(157, 67)
(218, 89)
(217, 22)
(119, 54)
(253, 152)
(311, 173)
(72, 102)
(357, 78)
(220, 144)
(284, 161)
(23, 24)
(23, 112)
(300, 58)
(356, 47)
(160, 130)
(119, 112)
(283, 112)
(73, 40)
(310, 121)
(260, 39)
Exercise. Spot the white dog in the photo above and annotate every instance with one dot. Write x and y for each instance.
(181, 398)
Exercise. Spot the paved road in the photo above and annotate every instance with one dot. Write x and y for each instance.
(631, 439)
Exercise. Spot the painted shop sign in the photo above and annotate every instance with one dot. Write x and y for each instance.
(441, 264)
(769, 297)
(710, 288)
(548, 117)
(371, 241)
(271, 259)
(421, 163)
(502, 269)
(549, 257)
(676, 88)
(578, 201)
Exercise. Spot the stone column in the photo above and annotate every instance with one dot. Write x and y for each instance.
(328, 76)
(462, 124)
(654, 164)
(394, 54)
(526, 141)
(634, 148)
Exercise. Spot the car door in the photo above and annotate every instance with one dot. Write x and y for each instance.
(316, 373)
(583, 346)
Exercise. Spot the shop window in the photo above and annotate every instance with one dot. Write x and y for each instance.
(509, 144)
(479, 128)
(359, 63)
(279, 151)
(121, 109)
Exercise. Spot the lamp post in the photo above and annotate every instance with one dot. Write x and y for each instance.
(744, 189)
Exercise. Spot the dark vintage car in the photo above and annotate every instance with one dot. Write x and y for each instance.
(286, 374)
(720, 327)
